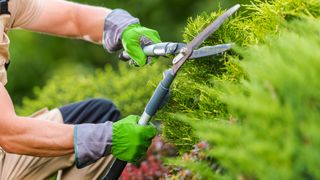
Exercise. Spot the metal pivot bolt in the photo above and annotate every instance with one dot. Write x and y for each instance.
(184, 51)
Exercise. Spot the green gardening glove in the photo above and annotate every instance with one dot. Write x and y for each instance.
(134, 37)
(130, 141)
(123, 31)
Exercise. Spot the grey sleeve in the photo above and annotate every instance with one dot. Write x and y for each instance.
(114, 25)
(91, 142)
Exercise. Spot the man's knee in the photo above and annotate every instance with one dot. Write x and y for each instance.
(100, 104)
(96, 110)
(105, 108)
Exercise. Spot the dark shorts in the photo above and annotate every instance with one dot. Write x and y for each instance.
(90, 111)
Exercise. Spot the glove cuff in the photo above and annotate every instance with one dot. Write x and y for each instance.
(91, 142)
(115, 23)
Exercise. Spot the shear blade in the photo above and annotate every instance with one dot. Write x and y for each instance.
(202, 36)
(210, 50)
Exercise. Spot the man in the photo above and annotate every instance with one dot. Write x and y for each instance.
(59, 139)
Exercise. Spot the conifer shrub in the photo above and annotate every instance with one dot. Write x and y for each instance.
(273, 132)
(229, 155)
(194, 92)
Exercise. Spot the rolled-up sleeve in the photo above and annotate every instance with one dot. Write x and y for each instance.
(24, 12)
(4, 56)
(3, 74)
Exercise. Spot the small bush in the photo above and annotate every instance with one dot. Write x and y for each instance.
(195, 90)
(273, 130)
(130, 89)
(250, 136)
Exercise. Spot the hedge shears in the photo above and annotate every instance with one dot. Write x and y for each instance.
(182, 53)
(171, 48)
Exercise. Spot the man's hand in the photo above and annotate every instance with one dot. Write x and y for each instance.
(125, 139)
(134, 37)
(130, 141)
(121, 30)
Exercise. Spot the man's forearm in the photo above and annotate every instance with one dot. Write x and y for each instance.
(69, 19)
(32, 136)
(37, 137)
(90, 21)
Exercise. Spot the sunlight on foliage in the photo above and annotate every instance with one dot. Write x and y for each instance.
(195, 90)
(129, 88)
(260, 122)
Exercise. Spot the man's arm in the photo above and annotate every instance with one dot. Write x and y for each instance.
(31, 136)
(116, 29)
(68, 19)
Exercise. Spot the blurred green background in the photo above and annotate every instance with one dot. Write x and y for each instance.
(37, 57)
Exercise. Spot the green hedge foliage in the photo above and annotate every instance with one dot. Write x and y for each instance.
(278, 113)
(273, 130)
(129, 88)
(265, 107)
(195, 90)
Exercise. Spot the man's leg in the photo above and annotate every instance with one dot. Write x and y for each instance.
(90, 111)
(27, 167)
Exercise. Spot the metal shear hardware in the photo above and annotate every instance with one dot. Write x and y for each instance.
(173, 48)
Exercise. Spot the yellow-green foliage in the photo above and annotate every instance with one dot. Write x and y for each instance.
(129, 88)
(195, 90)
(264, 127)
(255, 22)
(274, 129)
